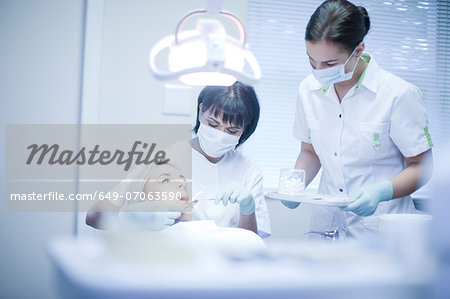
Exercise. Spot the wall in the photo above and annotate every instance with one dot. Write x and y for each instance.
(40, 58)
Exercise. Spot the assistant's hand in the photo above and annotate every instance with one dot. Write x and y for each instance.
(290, 204)
(365, 201)
(138, 214)
(233, 193)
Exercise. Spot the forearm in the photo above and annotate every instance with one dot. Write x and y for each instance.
(248, 222)
(414, 176)
(308, 161)
(364, 201)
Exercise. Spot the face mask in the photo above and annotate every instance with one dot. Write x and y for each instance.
(334, 74)
(215, 143)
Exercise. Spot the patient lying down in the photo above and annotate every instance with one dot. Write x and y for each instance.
(168, 209)
(163, 201)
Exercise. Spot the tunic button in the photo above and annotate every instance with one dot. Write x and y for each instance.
(340, 115)
(341, 190)
(335, 154)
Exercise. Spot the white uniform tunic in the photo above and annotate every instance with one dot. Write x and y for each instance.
(362, 140)
(211, 178)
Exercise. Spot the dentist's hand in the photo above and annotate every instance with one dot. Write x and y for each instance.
(140, 214)
(365, 201)
(236, 193)
(290, 204)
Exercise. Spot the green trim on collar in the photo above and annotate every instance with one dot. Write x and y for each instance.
(366, 58)
(324, 89)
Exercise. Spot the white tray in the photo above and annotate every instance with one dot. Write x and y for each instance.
(312, 198)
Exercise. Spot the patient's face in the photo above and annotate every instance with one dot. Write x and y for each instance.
(167, 186)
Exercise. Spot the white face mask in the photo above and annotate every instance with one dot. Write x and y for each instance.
(334, 74)
(215, 143)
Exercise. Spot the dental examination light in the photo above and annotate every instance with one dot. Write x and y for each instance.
(206, 55)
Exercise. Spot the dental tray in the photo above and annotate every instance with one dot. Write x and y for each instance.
(312, 198)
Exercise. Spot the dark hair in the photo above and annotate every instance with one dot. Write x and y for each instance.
(338, 21)
(238, 103)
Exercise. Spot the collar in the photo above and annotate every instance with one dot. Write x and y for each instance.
(367, 79)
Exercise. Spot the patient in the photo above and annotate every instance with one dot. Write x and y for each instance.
(164, 190)
(154, 191)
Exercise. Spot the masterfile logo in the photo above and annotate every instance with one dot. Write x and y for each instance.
(53, 155)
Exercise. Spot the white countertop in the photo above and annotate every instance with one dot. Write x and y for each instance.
(88, 268)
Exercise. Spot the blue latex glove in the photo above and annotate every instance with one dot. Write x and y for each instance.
(365, 201)
(236, 193)
(290, 204)
(136, 214)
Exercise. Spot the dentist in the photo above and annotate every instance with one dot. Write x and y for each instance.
(364, 126)
(226, 117)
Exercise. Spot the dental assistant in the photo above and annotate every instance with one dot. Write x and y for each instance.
(364, 126)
